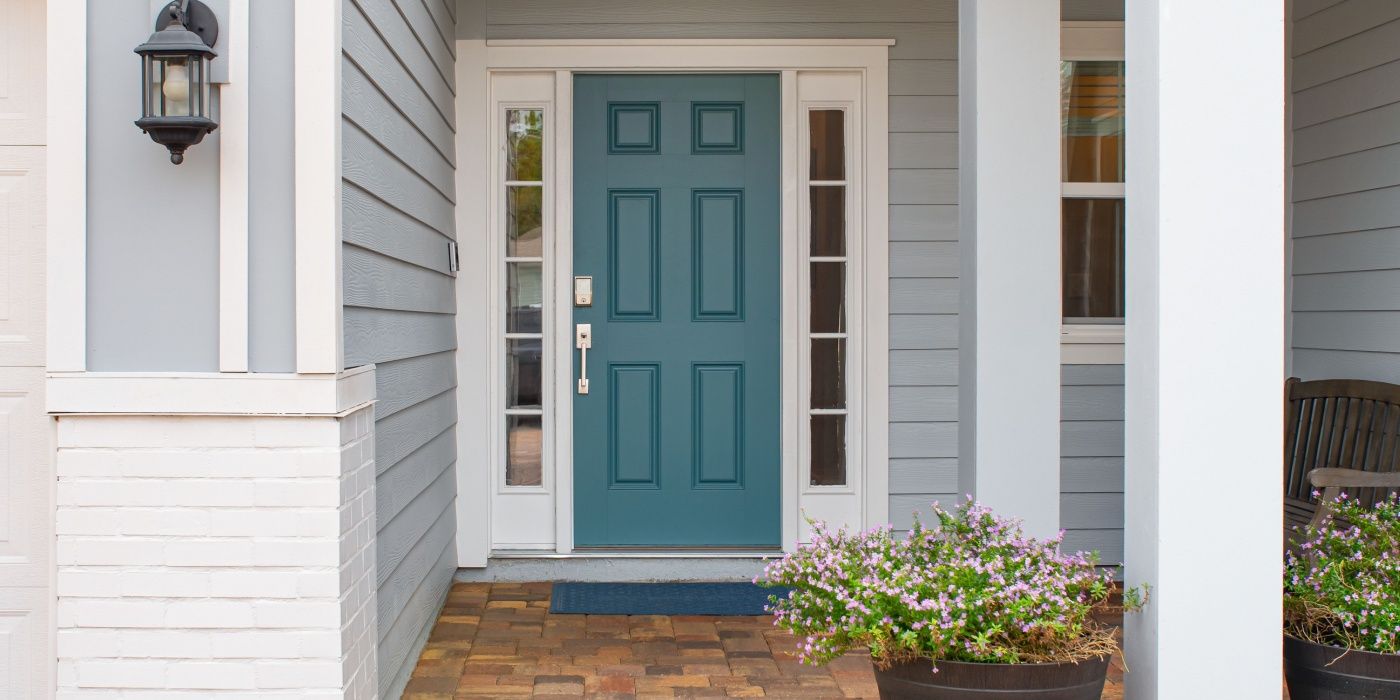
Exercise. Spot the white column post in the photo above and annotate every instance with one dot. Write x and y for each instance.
(1205, 344)
(1009, 157)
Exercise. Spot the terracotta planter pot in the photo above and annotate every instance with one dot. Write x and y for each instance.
(1321, 672)
(958, 680)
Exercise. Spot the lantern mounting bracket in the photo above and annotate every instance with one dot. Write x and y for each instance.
(195, 15)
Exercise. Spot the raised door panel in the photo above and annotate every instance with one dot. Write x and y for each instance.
(21, 256)
(21, 72)
(25, 517)
(26, 635)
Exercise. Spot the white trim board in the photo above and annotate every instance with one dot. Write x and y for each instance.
(319, 337)
(557, 61)
(66, 215)
(233, 195)
(210, 393)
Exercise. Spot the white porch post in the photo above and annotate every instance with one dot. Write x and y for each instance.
(1009, 159)
(1205, 343)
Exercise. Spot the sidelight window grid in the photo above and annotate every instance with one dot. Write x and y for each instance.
(826, 244)
(521, 234)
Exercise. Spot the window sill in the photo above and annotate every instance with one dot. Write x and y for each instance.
(1091, 344)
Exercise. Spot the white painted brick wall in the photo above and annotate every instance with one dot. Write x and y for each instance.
(211, 556)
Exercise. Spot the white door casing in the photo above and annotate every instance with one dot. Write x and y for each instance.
(26, 467)
(814, 74)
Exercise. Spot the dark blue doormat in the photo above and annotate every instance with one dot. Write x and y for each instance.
(738, 598)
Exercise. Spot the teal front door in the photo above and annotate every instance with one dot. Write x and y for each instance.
(676, 219)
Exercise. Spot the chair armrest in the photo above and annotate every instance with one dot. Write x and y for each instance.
(1353, 478)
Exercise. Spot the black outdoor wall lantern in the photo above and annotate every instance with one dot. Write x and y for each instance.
(175, 77)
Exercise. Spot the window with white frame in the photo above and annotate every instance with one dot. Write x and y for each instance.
(1092, 95)
(523, 261)
(827, 194)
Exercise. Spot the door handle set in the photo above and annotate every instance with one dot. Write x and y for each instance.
(583, 340)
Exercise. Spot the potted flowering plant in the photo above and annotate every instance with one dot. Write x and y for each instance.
(1342, 605)
(973, 607)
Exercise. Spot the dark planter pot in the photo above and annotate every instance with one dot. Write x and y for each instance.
(1320, 672)
(958, 680)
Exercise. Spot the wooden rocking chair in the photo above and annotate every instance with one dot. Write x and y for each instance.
(1338, 434)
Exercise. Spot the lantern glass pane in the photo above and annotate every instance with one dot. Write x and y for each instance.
(155, 101)
(175, 86)
(205, 109)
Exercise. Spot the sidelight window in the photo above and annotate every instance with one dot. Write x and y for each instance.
(827, 197)
(524, 296)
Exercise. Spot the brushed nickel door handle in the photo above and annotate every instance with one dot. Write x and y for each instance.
(583, 340)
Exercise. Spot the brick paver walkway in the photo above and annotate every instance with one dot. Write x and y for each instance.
(498, 640)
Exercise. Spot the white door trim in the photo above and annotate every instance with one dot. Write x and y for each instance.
(477, 361)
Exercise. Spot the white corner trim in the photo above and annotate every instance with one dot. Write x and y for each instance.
(877, 294)
(66, 186)
(691, 42)
(317, 132)
(698, 55)
(210, 393)
(1091, 344)
(475, 408)
(233, 196)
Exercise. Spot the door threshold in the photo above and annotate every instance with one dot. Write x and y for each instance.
(639, 553)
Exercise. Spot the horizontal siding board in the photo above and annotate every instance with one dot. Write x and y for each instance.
(1091, 438)
(443, 13)
(913, 404)
(1371, 48)
(1366, 170)
(377, 335)
(913, 40)
(915, 150)
(409, 544)
(373, 225)
(381, 282)
(412, 380)
(929, 295)
(919, 476)
(923, 332)
(921, 222)
(1091, 375)
(1369, 331)
(401, 639)
(923, 186)
(1091, 475)
(1091, 403)
(923, 440)
(923, 113)
(1344, 364)
(399, 435)
(1355, 132)
(364, 163)
(933, 259)
(1359, 211)
(403, 482)
(1373, 290)
(1107, 543)
(428, 77)
(924, 368)
(366, 106)
(1304, 8)
(367, 50)
(1347, 252)
(1091, 511)
(1368, 89)
(431, 35)
(558, 12)
(1339, 22)
(923, 77)
(904, 508)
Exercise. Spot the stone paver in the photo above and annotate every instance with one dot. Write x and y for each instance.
(499, 641)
